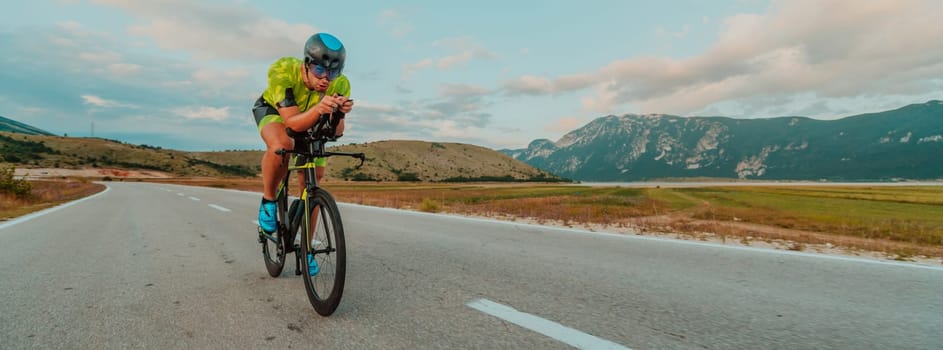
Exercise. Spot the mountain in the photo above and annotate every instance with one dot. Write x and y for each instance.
(10, 125)
(906, 143)
(386, 160)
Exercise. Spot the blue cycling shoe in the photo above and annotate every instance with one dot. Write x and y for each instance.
(267, 213)
(312, 265)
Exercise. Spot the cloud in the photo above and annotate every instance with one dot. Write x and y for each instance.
(449, 90)
(394, 22)
(123, 68)
(123, 90)
(449, 62)
(530, 85)
(458, 115)
(101, 102)
(209, 113)
(662, 32)
(464, 50)
(100, 57)
(564, 125)
(410, 69)
(214, 30)
(825, 48)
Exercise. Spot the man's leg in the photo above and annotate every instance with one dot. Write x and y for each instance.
(274, 166)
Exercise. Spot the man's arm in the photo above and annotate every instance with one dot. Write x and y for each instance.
(299, 121)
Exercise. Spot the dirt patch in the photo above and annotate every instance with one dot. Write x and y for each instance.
(749, 235)
(43, 173)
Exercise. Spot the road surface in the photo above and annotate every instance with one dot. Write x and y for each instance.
(165, 266)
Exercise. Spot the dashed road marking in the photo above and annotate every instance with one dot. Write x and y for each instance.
(549, 328)
(214, 206)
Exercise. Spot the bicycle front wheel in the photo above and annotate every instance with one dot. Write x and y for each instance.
(324, 244)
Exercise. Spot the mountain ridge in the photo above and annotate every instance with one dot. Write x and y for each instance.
(10, 125)
(901, 143)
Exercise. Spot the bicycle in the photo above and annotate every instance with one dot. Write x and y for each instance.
(314, 217)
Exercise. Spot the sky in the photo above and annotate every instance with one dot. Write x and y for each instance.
(184, 74)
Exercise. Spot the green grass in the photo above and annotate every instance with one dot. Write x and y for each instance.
(901, 214)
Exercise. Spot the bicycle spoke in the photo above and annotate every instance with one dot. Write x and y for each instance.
(324, 239)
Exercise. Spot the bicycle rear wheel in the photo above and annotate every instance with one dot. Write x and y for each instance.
(274, 255)
(274, 252)
(324, 240)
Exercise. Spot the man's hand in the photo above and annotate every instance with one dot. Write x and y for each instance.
(328, 103)
(346, 105)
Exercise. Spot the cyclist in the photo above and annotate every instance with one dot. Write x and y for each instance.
(298, 93)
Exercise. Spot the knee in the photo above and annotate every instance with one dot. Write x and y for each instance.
(277, 144)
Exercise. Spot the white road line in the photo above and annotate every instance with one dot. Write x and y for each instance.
(214, 206)
(27, 217)
(180, 194)
(625, 236)
(549, 328)
(255, 222)
(194, 198)
(646, 238)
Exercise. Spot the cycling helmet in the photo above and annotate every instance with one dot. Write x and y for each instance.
(325, 52)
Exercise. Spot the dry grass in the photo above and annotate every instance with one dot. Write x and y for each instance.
(898, 221)
(46, 194)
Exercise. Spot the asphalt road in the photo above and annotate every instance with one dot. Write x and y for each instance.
(163, 266)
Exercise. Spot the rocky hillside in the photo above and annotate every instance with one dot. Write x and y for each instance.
(386, 160)
(905, 143)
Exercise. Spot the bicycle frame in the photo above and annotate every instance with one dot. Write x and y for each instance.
(312, 143)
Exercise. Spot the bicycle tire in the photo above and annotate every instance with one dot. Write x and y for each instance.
(276, 265)
(328, 234)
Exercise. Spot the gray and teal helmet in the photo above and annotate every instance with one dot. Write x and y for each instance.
(324, 54)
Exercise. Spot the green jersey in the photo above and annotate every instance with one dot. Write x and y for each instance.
(286, 87)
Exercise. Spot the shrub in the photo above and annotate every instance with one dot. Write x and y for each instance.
(429, 206)
(9, 184)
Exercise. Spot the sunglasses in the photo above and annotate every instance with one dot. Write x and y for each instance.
(320, 72)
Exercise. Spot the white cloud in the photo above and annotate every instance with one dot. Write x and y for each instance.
(214, 31)
(564, 125)
(123, 68)
(71, 26)
(210, 113)
(410, 69)
(394, 22)
(821, 47)
(100, 57)
(465, 49)
(448, 90)
(219, 77)
(101, 102)
(604, 101)
(531, 85)
(661, 31)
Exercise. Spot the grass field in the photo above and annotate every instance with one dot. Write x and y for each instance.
(898, 221)
(902, 221)
(45, 194)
